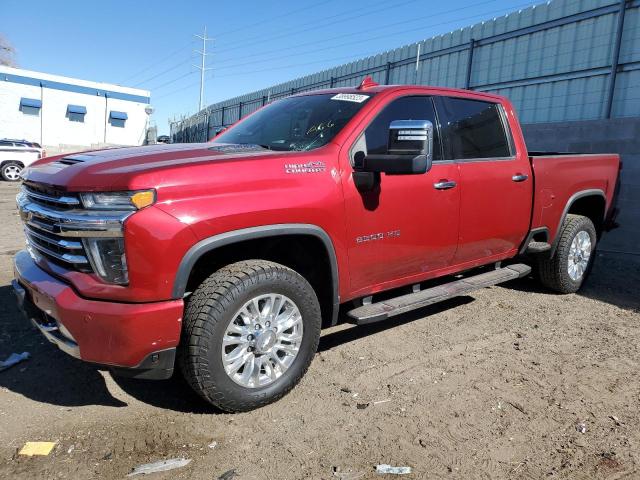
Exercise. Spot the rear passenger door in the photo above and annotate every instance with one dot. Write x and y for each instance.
(495, 182)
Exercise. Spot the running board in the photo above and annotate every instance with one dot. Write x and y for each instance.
(376, 312)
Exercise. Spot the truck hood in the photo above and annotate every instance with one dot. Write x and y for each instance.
(122, 168)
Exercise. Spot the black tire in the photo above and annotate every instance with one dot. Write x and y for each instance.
(209, 311)
(553, 272)
(7, 170)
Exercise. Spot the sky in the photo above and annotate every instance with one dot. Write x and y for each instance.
(256, 44)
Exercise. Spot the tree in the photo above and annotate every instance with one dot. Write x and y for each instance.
(7, 52)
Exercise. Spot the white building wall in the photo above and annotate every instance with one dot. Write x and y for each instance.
(14, 123)
(52, 127)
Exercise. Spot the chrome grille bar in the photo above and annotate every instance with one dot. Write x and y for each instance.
(66, 201)
(66, 244)
(64, 257)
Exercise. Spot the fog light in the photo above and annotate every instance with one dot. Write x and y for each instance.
(108, 259)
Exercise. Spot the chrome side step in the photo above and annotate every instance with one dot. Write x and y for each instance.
(537, 247)
(378, 311)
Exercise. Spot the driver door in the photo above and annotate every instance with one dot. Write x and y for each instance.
(408, 227)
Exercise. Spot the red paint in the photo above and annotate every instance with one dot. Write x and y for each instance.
(201, 193)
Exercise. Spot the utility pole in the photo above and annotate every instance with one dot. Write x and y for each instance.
(201, 67)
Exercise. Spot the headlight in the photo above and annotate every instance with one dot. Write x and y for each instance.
(108, 259)
(118, 200)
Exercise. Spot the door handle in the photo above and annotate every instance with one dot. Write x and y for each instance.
(444, 184)
(519, 177)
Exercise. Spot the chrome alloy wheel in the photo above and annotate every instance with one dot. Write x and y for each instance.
(579, 254)
(262, 340)
(12, 172)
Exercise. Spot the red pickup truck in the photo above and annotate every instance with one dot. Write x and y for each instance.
(228, 257)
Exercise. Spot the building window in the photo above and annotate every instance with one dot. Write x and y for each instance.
(76, 113)
(30, 106)
(117, 119)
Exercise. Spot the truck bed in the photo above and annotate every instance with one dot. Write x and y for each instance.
(559, 176)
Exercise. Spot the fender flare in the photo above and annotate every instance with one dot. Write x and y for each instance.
(227, 238)
(572, 199)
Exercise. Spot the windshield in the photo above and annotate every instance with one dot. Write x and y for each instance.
(297, 123)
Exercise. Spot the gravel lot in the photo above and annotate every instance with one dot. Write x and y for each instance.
(493, 385)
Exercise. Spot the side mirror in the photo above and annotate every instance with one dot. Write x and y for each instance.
(219, 130)
(409, 150)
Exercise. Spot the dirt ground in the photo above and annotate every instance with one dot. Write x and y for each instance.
(493, 385)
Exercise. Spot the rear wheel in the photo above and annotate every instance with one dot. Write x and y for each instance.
(250, 332)
(10, 171)
(567, 270)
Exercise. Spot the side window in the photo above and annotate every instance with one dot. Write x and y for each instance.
(405, 108)
(473, 129)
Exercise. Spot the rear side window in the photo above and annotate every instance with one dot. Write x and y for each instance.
(403, 108)
(473, 129)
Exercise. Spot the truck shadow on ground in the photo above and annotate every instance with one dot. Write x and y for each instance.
(49, 376)
(175, 394)
(614, 279)
(52, 377)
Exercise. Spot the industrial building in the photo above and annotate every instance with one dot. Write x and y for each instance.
(67, 114)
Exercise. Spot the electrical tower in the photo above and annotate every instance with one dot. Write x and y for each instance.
(202, 67)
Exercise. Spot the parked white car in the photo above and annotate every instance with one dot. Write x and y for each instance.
(15, 155)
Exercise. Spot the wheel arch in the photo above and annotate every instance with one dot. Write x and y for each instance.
(589, 203)
(4, 162)
(223, 241)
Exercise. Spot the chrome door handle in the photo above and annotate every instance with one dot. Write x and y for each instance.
(444, 185)
(519, 177)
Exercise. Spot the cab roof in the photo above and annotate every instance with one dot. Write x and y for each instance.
(369, 86)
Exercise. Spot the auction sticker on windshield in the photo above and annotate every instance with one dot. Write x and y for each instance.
(350, 97)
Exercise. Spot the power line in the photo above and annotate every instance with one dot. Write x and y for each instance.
(351, 34)
(173, 81)
(373, 38)
(154, 64)
(162, 73)
(184, 47)
(262, 21)
(260, 39)
(511, 8)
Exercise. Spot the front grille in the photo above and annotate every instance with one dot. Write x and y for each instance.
(42, 232)
(68, 253)
(55, 224)
(50, 197)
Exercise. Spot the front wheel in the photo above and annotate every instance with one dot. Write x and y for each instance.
(567, 269)
(10, 171)
(250, 332)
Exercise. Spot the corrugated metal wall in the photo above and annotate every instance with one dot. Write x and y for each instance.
(554, 61)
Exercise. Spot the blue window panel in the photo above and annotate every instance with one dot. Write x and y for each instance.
(30, 106)
(118, 115)
(80, 109)
(30, 102)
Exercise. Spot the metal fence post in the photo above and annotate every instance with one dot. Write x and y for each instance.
(264, 100)
(332, 82)
(615, 58)
(387, 73)
(240, 111)
(222, 117)
(467, 84)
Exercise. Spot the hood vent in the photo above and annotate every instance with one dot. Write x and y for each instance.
(74, 159)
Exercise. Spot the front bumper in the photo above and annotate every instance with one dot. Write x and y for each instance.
(134, 339)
